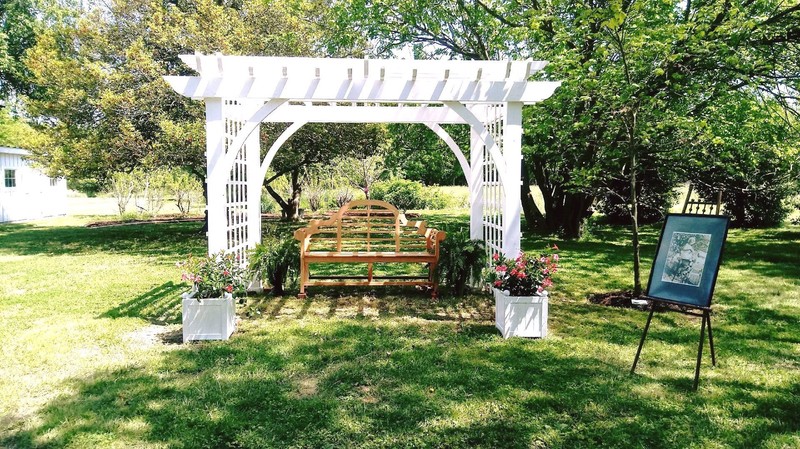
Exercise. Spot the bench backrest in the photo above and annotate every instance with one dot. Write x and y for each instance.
(367, 225)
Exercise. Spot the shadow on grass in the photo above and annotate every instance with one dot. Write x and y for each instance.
(158, 239)
(363, 384)
(160, 305)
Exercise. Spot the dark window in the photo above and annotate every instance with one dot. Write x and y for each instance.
(53, 182)
(10, 178)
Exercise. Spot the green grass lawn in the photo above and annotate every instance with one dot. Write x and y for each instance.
(89, 320)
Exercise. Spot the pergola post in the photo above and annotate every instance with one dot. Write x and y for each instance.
(512, 152)
(253, 192)
(475, 186)
(215, 205)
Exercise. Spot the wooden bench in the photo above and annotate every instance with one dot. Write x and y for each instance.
(368, 231)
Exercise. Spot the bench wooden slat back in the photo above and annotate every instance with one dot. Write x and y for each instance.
(366, 225)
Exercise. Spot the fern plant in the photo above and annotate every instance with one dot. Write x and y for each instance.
(275, 260)
(461, 261)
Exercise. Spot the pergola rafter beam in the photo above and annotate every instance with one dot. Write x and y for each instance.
(373, 90)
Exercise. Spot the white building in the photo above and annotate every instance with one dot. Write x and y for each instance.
(26, 193)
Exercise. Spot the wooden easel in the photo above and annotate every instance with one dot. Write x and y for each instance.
(700, 206)
(706, 316)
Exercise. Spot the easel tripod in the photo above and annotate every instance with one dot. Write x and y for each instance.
(706, 316)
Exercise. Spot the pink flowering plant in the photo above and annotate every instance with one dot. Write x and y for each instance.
(526, 275)
(213, 276)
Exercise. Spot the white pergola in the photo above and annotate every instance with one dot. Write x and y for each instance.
(241, 92)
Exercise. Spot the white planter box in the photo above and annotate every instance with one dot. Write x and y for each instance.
(521, 316)
(208, 319)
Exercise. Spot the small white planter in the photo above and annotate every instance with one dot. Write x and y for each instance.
(521, 316)
(208, 318)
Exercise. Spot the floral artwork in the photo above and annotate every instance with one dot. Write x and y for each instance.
(686, 258)
(526, 275)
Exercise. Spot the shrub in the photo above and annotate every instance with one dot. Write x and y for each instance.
(400, 193)
(186, 189)
(436, 199)
(343, 195)
(461, 261)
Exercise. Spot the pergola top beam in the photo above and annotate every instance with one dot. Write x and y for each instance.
(338, 68)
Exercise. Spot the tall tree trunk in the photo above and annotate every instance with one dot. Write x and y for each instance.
(294, 203)
(533, 216)
(290, 208)
(637, 275)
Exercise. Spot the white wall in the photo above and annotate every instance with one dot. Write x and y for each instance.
(34, 196)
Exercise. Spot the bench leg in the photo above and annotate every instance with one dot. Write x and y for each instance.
(303, 275)
(432, 279)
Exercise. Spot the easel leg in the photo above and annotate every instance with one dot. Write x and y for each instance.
(700, 349)
(644, 335)
(711, 339)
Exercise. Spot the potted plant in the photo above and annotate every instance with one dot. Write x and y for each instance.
(519, 285)
(208, 308)
(461, 261)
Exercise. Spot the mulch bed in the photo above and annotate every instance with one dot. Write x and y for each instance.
(624, 299)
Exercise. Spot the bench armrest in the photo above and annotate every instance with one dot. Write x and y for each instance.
(434, 237)
(304, 236)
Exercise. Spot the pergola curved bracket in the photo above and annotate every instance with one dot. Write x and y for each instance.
(445, 136)
(285, 135)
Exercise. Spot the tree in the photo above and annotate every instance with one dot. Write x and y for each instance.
(103, 101)
(312, 144)
(418, 154)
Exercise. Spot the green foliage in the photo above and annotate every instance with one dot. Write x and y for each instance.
(276, 259)
(461, 261)
(15, 133)
(100, 93)
(214, 275)
(752, 156)
(416, 153)
(401, 193)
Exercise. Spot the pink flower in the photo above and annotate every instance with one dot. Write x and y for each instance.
(496, 256)
(521, 275)
(555, 247)
(226, 273)
(547, 283)
(542, 260)
(229, 288)
(498, 283)
(513, 272)
(539, 290)
(501, 268)
(555, 257)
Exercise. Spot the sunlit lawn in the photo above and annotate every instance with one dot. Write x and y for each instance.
(89, 320)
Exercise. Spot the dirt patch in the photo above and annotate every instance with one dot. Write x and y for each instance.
(169, 219)
(307, 386)
(156, 334)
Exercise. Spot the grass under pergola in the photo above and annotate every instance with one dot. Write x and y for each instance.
(89, 324)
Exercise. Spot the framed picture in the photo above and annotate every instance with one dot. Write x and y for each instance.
(688, 257)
